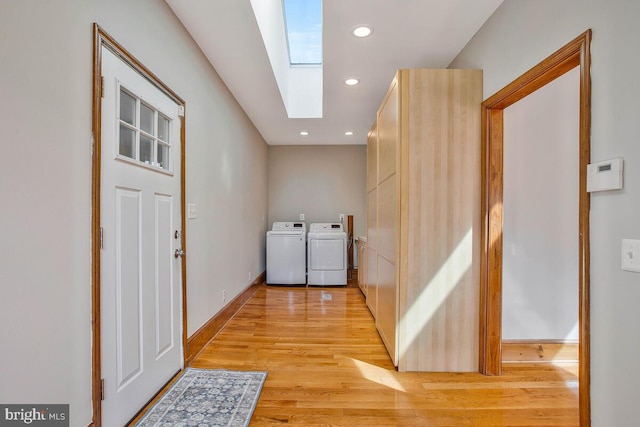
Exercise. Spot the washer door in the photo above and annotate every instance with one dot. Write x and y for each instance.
(327, 254)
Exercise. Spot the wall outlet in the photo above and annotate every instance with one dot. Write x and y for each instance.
(224, 296)
(631, 255)
(301, 217)
(341, 217)
(249, 277)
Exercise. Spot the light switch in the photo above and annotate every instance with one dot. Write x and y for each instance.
(192, 212)
(631, 255)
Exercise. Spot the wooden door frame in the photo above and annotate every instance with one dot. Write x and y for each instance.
(575, 54)
(102, 39)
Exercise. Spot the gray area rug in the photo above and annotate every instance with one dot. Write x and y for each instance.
(207, 398)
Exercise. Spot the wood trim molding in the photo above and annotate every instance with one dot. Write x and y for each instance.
(100, 39)
(183, 225)
(209, 330)
(96, 127)
(584, 303)
(539, 351)
(575, 53)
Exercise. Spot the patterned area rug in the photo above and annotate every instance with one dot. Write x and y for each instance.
(208, 398)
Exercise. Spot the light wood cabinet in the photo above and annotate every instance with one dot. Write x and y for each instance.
(423, 227)
(372, 221)
(362, 264)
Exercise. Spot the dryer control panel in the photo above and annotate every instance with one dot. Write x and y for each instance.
(326, 226)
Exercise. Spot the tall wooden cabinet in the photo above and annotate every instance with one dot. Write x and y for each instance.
(372, 221)
(423, 226)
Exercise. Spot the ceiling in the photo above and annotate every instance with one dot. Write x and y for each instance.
(406, 34)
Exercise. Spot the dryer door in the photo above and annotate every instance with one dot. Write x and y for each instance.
(327, 254)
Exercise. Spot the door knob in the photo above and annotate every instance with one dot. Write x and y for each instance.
(179, 252)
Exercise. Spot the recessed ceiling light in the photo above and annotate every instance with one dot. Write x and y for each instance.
(362, 31)
(349, 133)
(304, 133)
(351, 82)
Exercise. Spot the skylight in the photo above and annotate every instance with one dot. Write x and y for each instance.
(303, 24)
(300, 84)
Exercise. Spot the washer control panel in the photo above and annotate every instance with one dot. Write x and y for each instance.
(288, 226)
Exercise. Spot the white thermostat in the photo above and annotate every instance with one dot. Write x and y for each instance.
(605, 175)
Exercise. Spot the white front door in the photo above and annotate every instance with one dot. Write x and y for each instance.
(140, 215)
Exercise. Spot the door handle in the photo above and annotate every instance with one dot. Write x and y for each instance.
(179, 252)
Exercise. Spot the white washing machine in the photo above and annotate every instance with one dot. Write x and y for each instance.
(327, 255)
(286, 254)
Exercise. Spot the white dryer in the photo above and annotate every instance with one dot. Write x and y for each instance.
(327, 255)
(286, 254)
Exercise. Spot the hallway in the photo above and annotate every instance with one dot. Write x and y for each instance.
(327, 366)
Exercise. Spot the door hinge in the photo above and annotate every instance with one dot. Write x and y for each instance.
(102, 389)
(181, 111)
(101, 238)
(101, 86)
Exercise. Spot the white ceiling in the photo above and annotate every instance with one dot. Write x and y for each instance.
(407, 34)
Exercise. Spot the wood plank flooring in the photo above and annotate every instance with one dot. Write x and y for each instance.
(328, 367)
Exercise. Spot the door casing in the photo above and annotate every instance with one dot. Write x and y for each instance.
(100, 39)
(574, 54)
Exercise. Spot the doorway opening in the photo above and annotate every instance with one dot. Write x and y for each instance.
(575, 54)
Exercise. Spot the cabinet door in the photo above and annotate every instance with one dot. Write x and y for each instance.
(388, 134)
(372, 159)
(362, 265)
(372, 252)
(387, 234)
(372, 280)
(386, 310)
(372, 219)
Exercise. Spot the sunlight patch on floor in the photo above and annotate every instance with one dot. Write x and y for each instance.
(568, 366)
(378, 375)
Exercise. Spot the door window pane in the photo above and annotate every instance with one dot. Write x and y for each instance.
(127, 108)
(146, 150)
(163, 128)
(127, 142)
(163, 156)
(146, 119)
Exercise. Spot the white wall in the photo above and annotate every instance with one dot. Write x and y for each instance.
(520, 34)
(540, 234)
(45, 185)
(45, 190)
(319, 181)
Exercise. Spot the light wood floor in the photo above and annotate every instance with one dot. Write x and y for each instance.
(328, 367)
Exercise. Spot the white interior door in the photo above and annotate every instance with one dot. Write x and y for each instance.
(140, 218)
